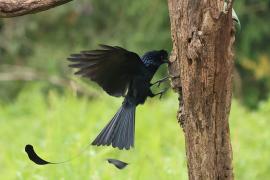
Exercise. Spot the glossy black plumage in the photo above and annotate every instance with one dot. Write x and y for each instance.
(117, 163)
(120, 73)
(119, 132)
(111, 67)
(29, 149)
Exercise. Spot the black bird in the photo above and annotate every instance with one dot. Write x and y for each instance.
(120, 73)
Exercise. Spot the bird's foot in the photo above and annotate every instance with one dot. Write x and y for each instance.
(158, 82)
(161, 93)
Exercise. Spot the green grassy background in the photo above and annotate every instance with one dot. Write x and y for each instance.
(61, 125)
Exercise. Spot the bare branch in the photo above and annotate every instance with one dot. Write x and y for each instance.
(13, 8)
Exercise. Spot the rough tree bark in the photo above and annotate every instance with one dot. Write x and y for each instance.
(12, 8)
(202, 64)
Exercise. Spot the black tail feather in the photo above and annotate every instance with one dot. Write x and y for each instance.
(119, 132)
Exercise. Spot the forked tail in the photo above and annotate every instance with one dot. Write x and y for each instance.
(119, 132)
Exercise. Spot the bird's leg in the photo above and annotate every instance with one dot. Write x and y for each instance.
(160, 81)
(159, 93)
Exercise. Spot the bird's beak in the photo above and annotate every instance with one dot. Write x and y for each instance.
(235, 19)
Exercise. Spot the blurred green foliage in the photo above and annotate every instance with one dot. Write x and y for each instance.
(253, 50)
(61, 125)
(43, 41)
(48, 113)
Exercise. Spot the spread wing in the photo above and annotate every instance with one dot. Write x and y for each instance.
(111, 67)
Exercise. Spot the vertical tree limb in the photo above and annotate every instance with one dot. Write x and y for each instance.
(202, 58)
(12, 8)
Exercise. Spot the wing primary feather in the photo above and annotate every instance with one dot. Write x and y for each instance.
(84, 64)
(106, 66)
(76, 55)
(107, 47)
(95, 52)
(85, 58)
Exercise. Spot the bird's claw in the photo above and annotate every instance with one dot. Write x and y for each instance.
(158, 82)
(161, 93)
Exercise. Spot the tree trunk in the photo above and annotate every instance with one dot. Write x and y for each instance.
(202, 66)
(12, 8)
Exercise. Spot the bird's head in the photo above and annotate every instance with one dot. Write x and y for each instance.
(153, 59)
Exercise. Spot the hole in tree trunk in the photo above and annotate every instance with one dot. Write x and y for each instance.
(189, 61)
